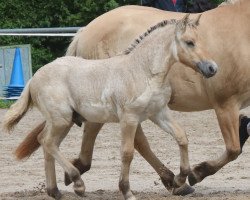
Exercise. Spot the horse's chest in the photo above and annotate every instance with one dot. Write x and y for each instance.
(151, 102)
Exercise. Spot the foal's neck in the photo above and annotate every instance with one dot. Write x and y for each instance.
(155, 54)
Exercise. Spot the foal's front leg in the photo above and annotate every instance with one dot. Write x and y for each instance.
(165, 122)
(128, 129)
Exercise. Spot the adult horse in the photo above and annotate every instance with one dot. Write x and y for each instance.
(128, 88)
(224, 30)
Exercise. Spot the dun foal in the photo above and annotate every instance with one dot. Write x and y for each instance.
(113, 90)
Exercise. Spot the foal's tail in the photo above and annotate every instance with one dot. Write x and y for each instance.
(17, 110)
(14, 115)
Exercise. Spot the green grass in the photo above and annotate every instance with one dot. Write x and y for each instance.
(6, 103)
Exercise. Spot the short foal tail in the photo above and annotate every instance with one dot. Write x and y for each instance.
(17, 110)
(14, 115)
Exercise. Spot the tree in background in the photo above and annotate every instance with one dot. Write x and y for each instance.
(56, 13)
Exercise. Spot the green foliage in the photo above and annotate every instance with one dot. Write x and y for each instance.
(6, 103)
(56, 13)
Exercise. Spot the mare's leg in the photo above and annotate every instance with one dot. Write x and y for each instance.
(165, 122)
(228, 117)
(128, 129)
(83, 163)
(166, 175)
(51, 140)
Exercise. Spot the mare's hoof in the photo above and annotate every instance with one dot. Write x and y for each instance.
(185, 189)
(192, 179)
(67, 180)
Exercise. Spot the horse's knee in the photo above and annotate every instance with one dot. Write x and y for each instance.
(182, 139)
(127, 155)
(233, 153)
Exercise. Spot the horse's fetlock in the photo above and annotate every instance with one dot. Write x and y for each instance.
(233, 153)
(54, 192)
(81, 166)
(124, 186)
(184, 171)
(74, 175)
(167, 177)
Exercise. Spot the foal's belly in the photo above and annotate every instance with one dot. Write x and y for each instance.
(98, 113)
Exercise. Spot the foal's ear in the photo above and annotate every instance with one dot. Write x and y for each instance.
(197, 20)
(182, 24)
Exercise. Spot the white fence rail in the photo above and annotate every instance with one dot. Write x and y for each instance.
(47, 32)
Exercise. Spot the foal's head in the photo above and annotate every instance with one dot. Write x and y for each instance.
(189, 49)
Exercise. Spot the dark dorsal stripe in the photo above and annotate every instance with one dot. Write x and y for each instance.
(148, 32)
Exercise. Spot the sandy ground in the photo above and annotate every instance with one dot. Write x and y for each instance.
(26, 180)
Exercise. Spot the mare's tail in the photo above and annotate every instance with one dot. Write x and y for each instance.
(30, 144)
(72, 49)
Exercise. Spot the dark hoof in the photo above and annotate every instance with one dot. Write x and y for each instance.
(54, 193)
(81, 168)
(191, 179)
(67, 180)
(184, 190)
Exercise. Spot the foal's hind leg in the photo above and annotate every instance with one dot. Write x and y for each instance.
(165, 121)
(83, 163)
(50, 173)
(51, 140)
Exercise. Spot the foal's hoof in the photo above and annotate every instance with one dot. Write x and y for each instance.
(54, 193)
(192, 179)
(79, 188)
(185, 189)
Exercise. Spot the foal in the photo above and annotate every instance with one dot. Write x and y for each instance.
(113, 90)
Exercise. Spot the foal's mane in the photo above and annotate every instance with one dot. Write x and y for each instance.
(148, 32)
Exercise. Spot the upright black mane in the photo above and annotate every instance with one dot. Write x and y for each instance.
(148, 32)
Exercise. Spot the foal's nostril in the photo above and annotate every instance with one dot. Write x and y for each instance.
(211, 69)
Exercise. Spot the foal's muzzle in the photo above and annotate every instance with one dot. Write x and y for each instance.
(207, 68)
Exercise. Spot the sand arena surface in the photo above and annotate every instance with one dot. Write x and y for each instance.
(25, 180)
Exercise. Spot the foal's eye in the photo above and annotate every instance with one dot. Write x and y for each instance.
(190, 43)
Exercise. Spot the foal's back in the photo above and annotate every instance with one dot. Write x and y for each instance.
(85, 85)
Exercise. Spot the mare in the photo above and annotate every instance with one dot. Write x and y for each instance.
(128, 89)
(224, 30)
